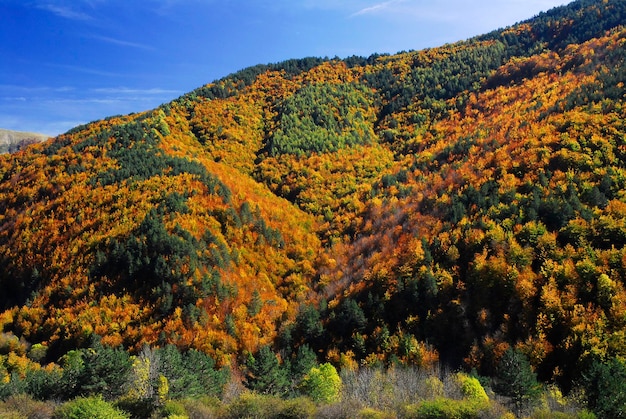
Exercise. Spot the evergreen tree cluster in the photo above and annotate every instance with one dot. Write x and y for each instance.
(323, 118)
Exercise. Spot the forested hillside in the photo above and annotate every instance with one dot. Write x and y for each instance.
(454, 206)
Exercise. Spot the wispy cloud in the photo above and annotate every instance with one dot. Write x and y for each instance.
(128, 91)
(34, 89)
(13, 98)
(123, 43)
(65, 12)
(461, 11)
(167, 7)
(403, 10)
(85, 70)
(376, 8)
(53, 110)
(100, 95)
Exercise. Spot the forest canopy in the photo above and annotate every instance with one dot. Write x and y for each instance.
(305, 222)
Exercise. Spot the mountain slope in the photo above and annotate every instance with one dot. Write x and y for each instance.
(442, 204)
(137, 245)
(507, 227)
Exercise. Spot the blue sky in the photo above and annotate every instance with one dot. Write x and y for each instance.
(68, 62)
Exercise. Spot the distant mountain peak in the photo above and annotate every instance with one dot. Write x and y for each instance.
(12, 141)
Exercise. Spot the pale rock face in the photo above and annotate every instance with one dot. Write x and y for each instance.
(12, 141)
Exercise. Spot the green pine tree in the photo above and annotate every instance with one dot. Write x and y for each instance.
(266, 374)
(516, 379)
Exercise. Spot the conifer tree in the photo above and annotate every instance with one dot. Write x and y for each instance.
(516, 379)
(267, 374)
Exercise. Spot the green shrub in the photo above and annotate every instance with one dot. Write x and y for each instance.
(369, 413)
(549, 414)
(253, 405)
(585, 414)
(15, 385)
(322, 384)
(37, 352)
(5, 414)
(433, 387)
(299, 408)
(444, 409)
(23, 406)
(202, 407)
(137, 407)
(89, 408)
(471, 387)
(174, 408)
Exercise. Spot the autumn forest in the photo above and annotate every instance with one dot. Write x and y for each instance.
(453, 210)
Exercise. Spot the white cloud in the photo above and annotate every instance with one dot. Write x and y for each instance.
(376, 8)
(475, 16)
(85, 70)
(166, 7)
(65, 12)
(34, 89)
(123, 43)
(126, 90)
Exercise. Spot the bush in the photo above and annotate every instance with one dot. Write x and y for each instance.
(322, 384)
(299, 408)
(252, 405)
(15, 385)
(174, 408)
(37, 352)
(342, 410)
(585, 414)
(202, 407)
(23, 406)
(444, 409)
(548, 414)
(137, 407)
(10, 414)
(43, 384)
(471, 387)
(368, 413)
(89, 408)
(433, 387)
(368, 387)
